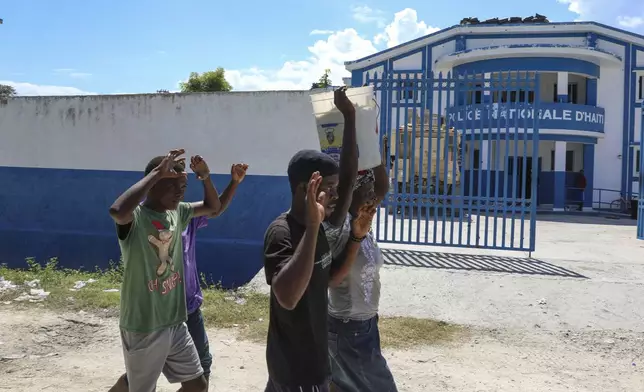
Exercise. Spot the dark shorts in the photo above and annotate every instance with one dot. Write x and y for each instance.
(197, 331)
(357, 363)
(272, 386)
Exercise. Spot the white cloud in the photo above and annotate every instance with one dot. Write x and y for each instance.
(405, 27)
(364, 14)
(29, 89)
(628, 14)
(329, 53)
(321, 32)
(630, 22)
(72, 73)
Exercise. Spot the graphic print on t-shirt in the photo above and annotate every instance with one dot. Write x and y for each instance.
(162, 245)
(325, 260)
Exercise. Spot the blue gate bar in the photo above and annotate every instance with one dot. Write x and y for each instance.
(463, 153)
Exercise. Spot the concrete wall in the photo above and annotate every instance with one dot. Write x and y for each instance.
(63, 160)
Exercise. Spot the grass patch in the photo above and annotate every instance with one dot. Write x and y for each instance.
(247, 312)
(59, 282)
(407, 332)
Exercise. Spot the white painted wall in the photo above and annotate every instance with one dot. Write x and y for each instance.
(263, 129)
(638, 125)
(439, 51)
(412, 62)
(610, 96)
(611, 47)
(473, 43)
(374, 72)
(639, 58)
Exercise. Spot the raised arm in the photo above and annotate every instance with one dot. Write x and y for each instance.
(210, 204)
(237, 175)
(348, 158)
(289, 270)
(123, 207)
(360, 227)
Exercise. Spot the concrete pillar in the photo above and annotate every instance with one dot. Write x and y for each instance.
(589, 173)
(560, 176)
(485, 146)
(562, 87)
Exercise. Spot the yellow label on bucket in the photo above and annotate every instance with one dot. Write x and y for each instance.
(330, 136)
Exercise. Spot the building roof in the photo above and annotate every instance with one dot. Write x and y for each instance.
(535, 29)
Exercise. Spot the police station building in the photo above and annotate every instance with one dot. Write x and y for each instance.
(590, 95)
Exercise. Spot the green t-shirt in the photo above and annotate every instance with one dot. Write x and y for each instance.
(152, 293)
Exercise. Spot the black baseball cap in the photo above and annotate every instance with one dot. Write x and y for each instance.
(306, 162)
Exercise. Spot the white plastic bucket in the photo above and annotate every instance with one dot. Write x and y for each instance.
(330, 125)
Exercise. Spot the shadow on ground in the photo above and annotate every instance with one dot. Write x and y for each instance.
(468, 262)
(594, 219)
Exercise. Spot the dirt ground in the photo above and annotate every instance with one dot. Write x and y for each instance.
(569, 319)
(43, 351)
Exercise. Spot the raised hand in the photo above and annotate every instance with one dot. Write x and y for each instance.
(315, 203)
(342, 102)
(361, 224)
(238, 172)
(199, 167)
(166, 167)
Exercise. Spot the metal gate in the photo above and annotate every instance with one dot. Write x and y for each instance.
(640, 202)
(463, 158)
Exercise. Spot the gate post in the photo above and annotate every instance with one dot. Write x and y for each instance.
(640, 197)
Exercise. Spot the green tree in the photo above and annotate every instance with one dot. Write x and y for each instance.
(7, 91)
(209, 81)
(324, 81)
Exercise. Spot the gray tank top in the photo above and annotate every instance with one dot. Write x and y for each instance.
(357, 297)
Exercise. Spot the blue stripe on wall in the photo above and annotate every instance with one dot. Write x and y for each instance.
(553, 64)
(63, 213)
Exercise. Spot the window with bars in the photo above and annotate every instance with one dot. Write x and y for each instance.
(520, 96)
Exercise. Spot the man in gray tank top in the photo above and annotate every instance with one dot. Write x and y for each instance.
(357, 363)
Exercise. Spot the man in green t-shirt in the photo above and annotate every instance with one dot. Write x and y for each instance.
(154, 335)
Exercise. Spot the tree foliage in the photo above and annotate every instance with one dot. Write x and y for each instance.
(7, 91)
(209, 81)
(324, 81)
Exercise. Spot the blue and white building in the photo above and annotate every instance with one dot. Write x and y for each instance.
(591, 92)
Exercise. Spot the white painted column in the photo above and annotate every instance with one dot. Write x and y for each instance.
(485, 145)
(562, 87)
(487, 94)
(560, 177)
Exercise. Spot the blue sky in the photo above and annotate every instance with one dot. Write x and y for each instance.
(118, 46)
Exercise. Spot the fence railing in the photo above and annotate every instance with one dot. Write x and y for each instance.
(611, 200)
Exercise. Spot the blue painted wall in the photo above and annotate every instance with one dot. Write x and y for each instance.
(64, 213)
(550, 64)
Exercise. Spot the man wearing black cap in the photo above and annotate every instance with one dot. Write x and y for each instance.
(298, 262)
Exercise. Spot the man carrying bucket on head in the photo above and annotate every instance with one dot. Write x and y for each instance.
(299, 264)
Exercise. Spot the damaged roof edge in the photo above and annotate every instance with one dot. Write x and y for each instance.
(470, 29)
